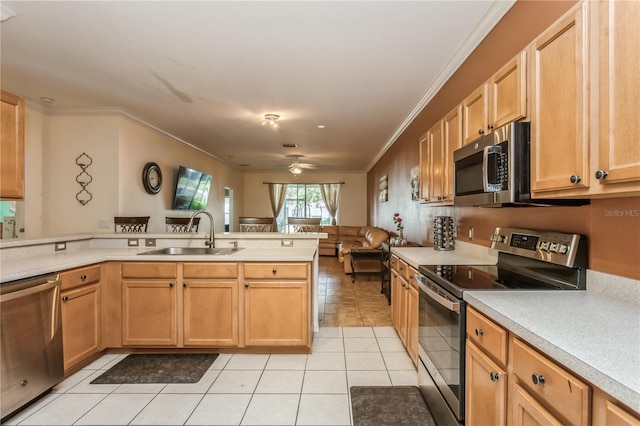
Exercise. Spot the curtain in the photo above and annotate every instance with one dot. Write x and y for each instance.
(277, 192)
(331, 196)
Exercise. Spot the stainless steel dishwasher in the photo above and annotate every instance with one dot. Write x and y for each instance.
(31, 340)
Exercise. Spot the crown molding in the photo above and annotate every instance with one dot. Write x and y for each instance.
(495, 13)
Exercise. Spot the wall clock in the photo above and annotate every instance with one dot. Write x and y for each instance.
(152, 178)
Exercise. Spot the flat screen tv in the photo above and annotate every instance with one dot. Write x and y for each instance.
(192, 190)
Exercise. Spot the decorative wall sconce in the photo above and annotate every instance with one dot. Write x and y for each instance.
(84, 161)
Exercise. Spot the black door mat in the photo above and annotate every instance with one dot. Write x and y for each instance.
(389, 405)
(157, 368)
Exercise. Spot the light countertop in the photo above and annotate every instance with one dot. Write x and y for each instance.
(464, 254)
(595, 336)
(25, 267)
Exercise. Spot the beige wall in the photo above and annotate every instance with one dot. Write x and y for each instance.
(353, 197)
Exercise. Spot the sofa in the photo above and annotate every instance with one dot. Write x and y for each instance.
(342, 238)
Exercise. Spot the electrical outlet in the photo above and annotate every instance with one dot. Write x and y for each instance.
(287, 242)
(471, 233)
(60, 246)
(149, 242)
(132, 242)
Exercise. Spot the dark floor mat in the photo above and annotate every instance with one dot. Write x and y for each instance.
(158, 368)
(389, 405)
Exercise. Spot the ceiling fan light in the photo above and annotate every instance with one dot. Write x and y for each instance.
(295, 170)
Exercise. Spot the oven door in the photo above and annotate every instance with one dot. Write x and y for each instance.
(441, 338)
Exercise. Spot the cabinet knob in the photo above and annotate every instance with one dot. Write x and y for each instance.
(575, 179)
(490, 127)
(185, 285)
(65, 298)
(481, 132)
(171, 285)
(246, 285)
(479, 332)
(537, 379)
(494, 376)
(83, 277)
(601, 174)
(274, 271)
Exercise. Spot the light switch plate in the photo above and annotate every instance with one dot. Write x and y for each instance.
(471, 233)
(132, 242)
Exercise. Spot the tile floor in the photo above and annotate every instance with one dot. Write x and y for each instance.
(343, 304)
(238, 389)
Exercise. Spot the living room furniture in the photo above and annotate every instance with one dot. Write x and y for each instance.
(358, 254)
(303, 224)
(130, 223)
(255, 224)
(367, 237)
(179, 224)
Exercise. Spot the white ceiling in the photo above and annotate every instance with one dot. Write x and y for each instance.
(207, 72)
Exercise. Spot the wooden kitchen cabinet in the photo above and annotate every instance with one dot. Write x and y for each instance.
(404, 305)
(149, 304)
(452, 140)
(277, 304)
(210, 304)
(486, 371)
(525, 410)
(413, 297)
(81, 314)
(608, 411)
(500, 100)
(11, 147)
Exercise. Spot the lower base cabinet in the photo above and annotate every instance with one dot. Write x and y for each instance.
(80, 312)
(526, 410)
(486, 389)
(149, 314)
(210, 313)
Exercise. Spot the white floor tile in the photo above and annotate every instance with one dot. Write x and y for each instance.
(116, 409)
(202, 386)
(398, 361)
(287, 362)
(365, 361)
(105, 362)
(220, 362)
(329, 332)
(169, 409)
(357, 332)
(85, 386)
(64, 410)
(328, 344)
(140, 388)
(272, 410)
(404, 377)
(220, 409)
(326, 361)
(361, 344)
(247, 362)
(325, 382)
(280, 382)
(391, 344)
(71, 381)
(368, 378)
(324, 410)
(232, 381)
(26, 412)
(385, 332)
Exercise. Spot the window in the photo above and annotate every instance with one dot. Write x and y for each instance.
(303, 200)
(227, 209)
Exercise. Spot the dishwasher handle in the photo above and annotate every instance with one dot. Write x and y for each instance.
(29, 287)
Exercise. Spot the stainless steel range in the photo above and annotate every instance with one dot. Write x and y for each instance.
(527, 260)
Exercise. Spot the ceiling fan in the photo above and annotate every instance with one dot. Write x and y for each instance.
(297, 167)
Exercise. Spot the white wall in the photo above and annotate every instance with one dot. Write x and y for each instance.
(353, 197)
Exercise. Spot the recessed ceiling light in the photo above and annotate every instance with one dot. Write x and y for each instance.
(47, 100)
(321, 126)
(271, 119)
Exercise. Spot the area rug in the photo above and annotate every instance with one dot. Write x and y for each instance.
(158, 368)
(389, 405)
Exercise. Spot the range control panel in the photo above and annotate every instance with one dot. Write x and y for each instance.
(553, 247)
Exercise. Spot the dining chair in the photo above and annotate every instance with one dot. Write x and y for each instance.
(130, 223)
(303, 224)
(179, 224)
(255, 224)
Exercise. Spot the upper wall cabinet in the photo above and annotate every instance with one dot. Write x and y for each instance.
(585, 101)
(502, 99)
(12, 147)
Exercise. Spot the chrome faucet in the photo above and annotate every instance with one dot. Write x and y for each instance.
(210, 241)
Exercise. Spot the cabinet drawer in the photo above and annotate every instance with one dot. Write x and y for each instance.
(149, 270)
(81, 276)
(275, 270)
(485, 333)
(556, 388)
(394, 263)
(210, 270)
(403, 269)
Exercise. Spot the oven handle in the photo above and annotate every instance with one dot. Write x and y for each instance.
(452, 306)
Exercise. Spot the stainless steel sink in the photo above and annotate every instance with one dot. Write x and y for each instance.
(186, 251)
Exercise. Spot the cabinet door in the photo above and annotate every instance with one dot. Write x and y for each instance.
(149, 314)
(402, 309)
(425, 169)
(452, 141)
(437, 152)
(475, 114)
(607, 411)
(559, 120)
(12, 147)
(486, 389)
(80, 311)
(524, 410)
(412, 321)
(619, 149)
(508, 92)
(276, 313)
(210, 313)
(395, 299)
